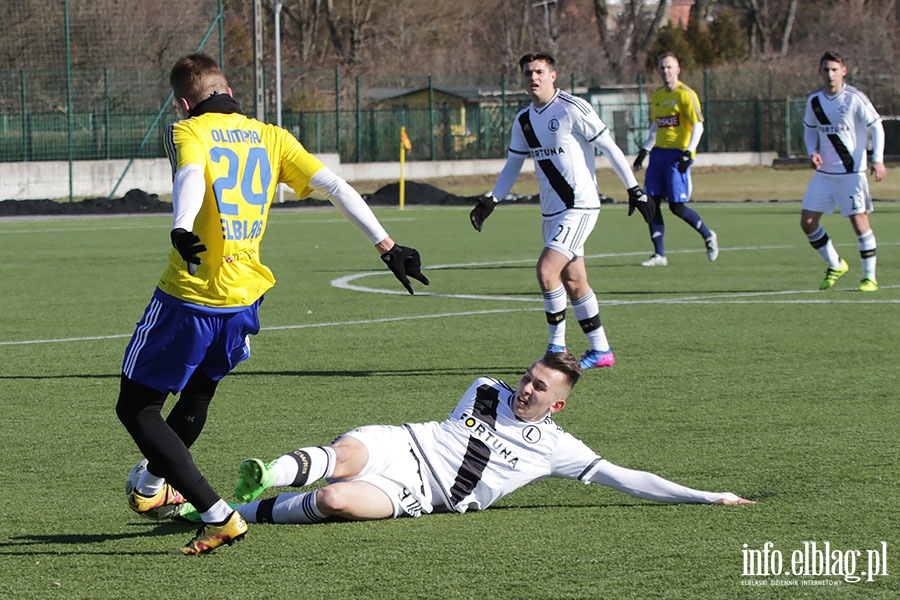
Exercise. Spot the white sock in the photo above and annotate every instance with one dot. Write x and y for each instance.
(555, 309)
(304, 466)
(297, 508)
(587, 311)
(819, 240)
(217, 513)
(867, 253)
(293, 507)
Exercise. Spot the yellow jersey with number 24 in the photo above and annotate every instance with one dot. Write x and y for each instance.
(243, 160)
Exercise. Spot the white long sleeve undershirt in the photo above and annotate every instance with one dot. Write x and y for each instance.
(189, 187)
(696, 133)
(877, 130)
(508, 175)
(188, 190)
(349, 202)
(607, 145)
(648, 486)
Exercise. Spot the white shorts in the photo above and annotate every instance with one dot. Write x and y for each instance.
(568, 231)
(395, 468)
(848, 192)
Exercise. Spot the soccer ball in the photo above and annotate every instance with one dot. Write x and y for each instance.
(157, 514)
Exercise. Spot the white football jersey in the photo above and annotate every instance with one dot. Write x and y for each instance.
(483, 452)
(842, 123)
(559, 136)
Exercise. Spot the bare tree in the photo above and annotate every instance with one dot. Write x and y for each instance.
(626, 46)
(348, 26)
(305, 17)
(654, 24)
(764, 21)
(788, 27)
(601, 12)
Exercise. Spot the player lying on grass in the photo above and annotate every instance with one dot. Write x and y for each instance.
(495, 441)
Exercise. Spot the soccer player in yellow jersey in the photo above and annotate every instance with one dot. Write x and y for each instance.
(196, 328)
(675, 128)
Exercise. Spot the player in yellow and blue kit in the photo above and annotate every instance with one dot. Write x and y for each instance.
(676, 124)
(196, 328)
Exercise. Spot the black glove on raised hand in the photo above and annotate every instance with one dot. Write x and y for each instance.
(639, 161)
(403, 262)
(637, 199)
(186, 242)
(684, 161)
(484, 206)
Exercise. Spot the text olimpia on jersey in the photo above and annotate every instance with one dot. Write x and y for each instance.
(842, 123)
(483, 452)
(558, 137)
(243, 160)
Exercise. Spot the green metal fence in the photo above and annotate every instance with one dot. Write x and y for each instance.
(109, 121)
(372, 134)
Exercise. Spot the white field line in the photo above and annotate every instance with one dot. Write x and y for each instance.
(345, 283)
(167, 225)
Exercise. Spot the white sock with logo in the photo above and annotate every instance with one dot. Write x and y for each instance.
(304, 466)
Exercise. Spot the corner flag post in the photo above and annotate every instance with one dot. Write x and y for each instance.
(405, 146)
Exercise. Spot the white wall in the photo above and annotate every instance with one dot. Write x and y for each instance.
(96, 179)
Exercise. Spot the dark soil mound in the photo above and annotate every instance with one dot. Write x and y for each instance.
(138, 202)
(134, 202)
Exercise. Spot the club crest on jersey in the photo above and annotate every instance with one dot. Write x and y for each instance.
(531, 434)
(553, 125)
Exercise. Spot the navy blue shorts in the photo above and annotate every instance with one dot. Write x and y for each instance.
(173, 339)
(663, 178)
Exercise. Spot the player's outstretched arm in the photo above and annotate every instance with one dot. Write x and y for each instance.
(404, 262)
(648, 486)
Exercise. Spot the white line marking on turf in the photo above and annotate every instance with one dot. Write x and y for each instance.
(344, 283)
(288, 327)
(167, 225)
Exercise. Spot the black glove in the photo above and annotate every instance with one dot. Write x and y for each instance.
(484, 206)
(639, 161)
(684, 161)
(637, 199)
(403, 261)
(186, 242)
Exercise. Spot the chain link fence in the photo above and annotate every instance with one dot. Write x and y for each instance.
(96, 91)
(455, 126)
